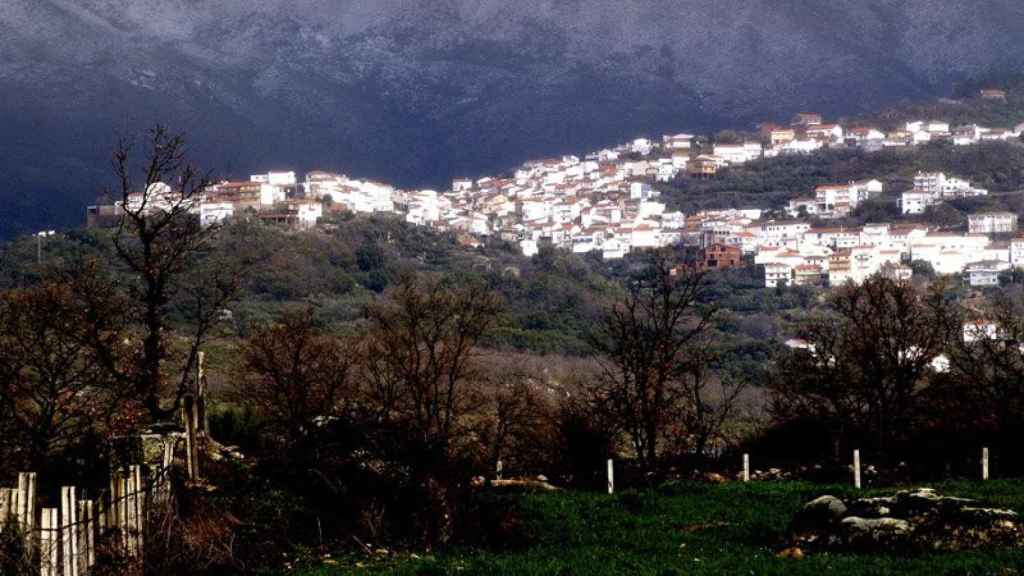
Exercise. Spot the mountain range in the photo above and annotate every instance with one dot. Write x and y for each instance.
(415, 92)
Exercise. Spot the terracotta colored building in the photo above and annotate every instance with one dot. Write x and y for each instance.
(721, 256)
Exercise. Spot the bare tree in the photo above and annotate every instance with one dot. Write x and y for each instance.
(513, 420)
(296, 376)
(710, 399)
(54, 389)
(987, 360)
(162, 242)
(866, 362)
(646, 341)
(420, 350)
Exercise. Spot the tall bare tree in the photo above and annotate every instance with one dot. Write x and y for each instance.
(710, 398)
(420, 351)
(162, 242)
(647, 342)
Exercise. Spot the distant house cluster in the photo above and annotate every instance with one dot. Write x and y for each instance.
(931, 188)
(277, 197)
(835, 200)
(603, 203)
(793, 253)
(607, 203)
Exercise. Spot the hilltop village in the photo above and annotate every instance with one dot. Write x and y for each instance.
(608, 202)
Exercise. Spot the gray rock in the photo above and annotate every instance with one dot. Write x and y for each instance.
(818, 514)
(873, 507)
(910, 520)
(857, 533)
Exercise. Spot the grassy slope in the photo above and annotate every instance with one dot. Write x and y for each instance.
(658, 532)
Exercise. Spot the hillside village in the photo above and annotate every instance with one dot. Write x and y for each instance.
(608, 202)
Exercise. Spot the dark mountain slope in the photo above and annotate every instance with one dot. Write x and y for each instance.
(418, 91)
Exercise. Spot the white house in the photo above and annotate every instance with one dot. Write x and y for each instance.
(283, 179)
(800, 147)
(992, 223)
(677, 141)
(777, 274)
(1017, 252)
(211, 213)
(915, 202)
(985, 273)
(739, 153)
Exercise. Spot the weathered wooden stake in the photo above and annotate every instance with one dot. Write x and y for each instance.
(746, 467)
(30, 504)
(5, 507)
(49, 543)
(121, 510)
(82, 537)
(130, 512)
(191, 421)
(21, 508)
(91, 528)
(138, 509)
(68, 529)
(984, 463)
(203, 420)
(856, 468)
(15, 507)
(611, 476)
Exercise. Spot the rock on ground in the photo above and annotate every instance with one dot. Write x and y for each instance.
(907, 521)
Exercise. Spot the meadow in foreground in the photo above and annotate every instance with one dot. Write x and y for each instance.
(685, 528)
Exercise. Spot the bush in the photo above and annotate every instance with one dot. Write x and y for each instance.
(15, 559)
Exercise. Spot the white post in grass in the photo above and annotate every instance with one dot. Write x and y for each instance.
(611, 476)
(984, 463)
(856, 468)
(746, 467)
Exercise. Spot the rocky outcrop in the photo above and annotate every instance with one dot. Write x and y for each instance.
(908, 521)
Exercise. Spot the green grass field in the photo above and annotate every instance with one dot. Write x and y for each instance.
(686, 529)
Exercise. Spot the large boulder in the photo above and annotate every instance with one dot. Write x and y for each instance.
(910, 520)
(819, 514)
(868, 534)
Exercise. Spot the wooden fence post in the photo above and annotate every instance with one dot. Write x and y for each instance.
(191, 421)
(746, 467)
(27, 503)
(91, 529)
(5, 507)
(984, 463)
(114, 506)
(82, 537)
(68, 530)
(123, 520)
(49, 543)
(21, 505)
(856, 468)
(130, 515)
(611, 476)
(101, 514)
(203, 418)
(139, 504)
